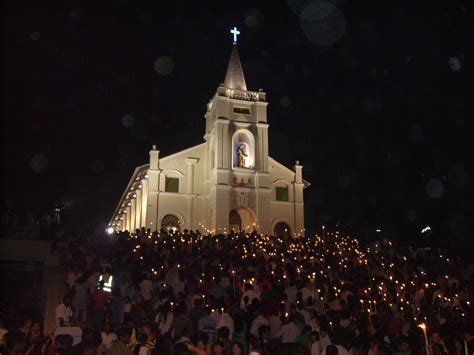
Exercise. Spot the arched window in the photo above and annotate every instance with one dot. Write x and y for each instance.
(170, 223)
(282, 229)
(243, 152)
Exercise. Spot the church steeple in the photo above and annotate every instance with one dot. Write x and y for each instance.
(234, 77)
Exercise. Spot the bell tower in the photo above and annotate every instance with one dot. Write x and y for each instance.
(237, 148)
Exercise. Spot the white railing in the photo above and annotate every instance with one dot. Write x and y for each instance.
(242, 94)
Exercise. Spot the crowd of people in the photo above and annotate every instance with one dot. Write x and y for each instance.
(246, 293)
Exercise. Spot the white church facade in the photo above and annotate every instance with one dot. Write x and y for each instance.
(226, 183)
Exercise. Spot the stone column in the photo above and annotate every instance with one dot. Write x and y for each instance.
(153, 190)
(191, 162)
(223, 148)
(222, 207)
(133, 214)
(190, 178)
(144, 207)
(261, 149)
(128, 219)
(263, 197)
(299, 202)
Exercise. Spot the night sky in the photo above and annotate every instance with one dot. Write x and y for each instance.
(374, 98)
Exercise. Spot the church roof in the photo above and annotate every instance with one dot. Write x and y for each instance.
(234, 77)
(135, 182)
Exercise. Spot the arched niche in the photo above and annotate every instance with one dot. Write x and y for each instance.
(243, 149)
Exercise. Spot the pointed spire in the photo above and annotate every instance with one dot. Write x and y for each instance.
(234, 77)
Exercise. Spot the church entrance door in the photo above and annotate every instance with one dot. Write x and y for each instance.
(170, 223)
(282, 230)
(241, 218)
(235, 222)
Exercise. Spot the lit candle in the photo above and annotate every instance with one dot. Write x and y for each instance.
(233, 281)
(427, 347)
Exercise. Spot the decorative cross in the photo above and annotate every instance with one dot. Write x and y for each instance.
(235, 32)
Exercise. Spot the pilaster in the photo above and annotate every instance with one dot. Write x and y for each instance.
(144, 207)
(138, 208)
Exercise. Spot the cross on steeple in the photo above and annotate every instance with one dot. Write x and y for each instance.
(235, 32)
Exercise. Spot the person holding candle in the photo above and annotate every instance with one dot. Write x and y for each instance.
(437, 339)
(207, 325)
(223, 319)
(469, 340)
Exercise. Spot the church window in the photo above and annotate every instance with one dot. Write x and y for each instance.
(243, 110)
(281, 193)
(172, 184)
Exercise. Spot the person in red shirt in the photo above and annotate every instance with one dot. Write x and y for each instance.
(100, 300)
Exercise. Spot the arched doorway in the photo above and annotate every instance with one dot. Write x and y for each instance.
(282, 229)
(235, 222)
(242, 218)
(170, 223)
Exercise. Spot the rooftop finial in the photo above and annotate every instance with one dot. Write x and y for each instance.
(235, 32)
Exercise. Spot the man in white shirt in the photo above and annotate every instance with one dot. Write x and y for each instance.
(324, 339)
(222, 319)
(275, 324)
(289, 331)
(257, 322)
(306, 315)
(63, 312)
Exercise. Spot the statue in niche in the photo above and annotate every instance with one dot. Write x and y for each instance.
(242, 155)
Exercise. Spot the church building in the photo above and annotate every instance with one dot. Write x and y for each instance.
(228, 182)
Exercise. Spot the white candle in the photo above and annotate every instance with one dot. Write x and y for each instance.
(423, 326)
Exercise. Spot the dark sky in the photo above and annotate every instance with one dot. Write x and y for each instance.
(374, 97)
